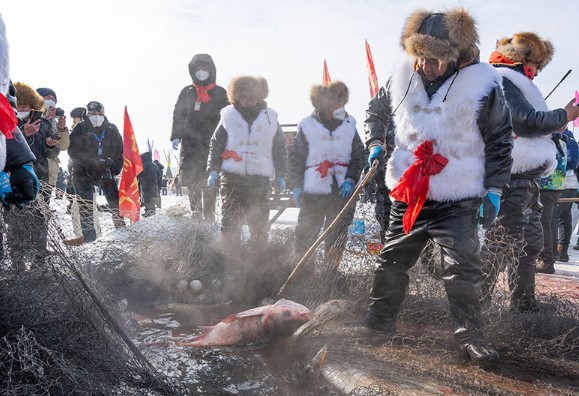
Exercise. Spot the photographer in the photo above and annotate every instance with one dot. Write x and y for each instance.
(96, 149)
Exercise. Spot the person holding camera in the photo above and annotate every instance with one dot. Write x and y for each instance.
(33, 220)
(96, 149)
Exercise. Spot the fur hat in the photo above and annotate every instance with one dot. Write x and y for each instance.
(26, 95)
(254, 87)
(526, 46)
(449, 36)
(322, 96)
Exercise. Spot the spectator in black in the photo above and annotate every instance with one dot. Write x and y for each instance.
(195, 118)
(164, 183)
(160, 181)
(177, 183)
(96, 149)
(149, 183)
(33, 220)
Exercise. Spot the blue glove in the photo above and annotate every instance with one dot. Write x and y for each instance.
(281, 184)
(489, 208)
(4, 188)
(175, 143)
(212, 179)
(347, 189)
(374, 152)
(297, 195)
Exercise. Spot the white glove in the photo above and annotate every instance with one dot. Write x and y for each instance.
(175, 143)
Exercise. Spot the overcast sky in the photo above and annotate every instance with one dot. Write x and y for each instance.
(136, 52)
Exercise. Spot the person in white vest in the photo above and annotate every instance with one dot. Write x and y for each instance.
(452, 152)
(249, 150)
(325, 165)
(519, 59)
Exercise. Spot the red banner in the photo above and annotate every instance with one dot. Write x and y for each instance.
(372, 78)
(326, 75)
(129, 197)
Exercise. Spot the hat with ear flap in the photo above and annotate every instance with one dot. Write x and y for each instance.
(26, 95)
(526, 47)
(322, 96)
(449, 37)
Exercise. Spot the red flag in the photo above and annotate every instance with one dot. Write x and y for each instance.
(129, 197)
(326, 75)
(372, 78)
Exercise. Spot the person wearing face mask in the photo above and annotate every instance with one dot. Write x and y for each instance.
(325, 165)
(33, 218)
(96, 149)
(519, 59)
(60, 130)
(248, 148)
(448, 150)
(195, 118)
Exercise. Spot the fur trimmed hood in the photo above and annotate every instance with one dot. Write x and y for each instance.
(526, 47)
(26, 95)
(322, 96)
(449, 37)
(254, 87)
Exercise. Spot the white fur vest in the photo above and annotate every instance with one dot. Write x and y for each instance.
(531, 152)
(329, 154)
(254, 146)
(450, 124)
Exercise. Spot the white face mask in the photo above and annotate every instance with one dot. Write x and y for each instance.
(340, 114)
(22, 114)
(202, 75)
(49, 103)
(96, 120)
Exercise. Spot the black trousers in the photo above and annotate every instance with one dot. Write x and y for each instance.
(549, 223)
(452, 226)
(563, 218)
(517, 232)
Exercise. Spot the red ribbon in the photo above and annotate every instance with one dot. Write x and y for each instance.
(325, 166)
(202, 92)
(414, 183)
(8, 120)
(230, 154)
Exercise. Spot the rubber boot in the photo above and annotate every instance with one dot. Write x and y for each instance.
(523, 290)
(478, 349)
(563, 253)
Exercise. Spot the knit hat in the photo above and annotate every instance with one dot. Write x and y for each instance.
(44, 92)
(526, 47)
(322, 96)
(95, 106)
(449, 37)
(26, 95)
(78, 112)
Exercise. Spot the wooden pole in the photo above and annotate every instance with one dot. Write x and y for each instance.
(369, 176)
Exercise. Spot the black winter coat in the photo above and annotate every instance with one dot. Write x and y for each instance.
(18, 152)
(150, 178)
(494, 122)
(195, 128)
(40, 149)
(84, 145)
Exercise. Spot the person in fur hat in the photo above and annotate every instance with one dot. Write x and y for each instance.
(519, 59)
(248, 148)
(448, 150)
(325, 165)
(195, 118)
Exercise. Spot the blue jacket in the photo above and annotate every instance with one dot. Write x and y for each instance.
(572, 151)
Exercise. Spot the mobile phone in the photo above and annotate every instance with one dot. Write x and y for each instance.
(35, 115)
(55, 137)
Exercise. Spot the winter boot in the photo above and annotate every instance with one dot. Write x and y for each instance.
(555, 252)
(563, 253)
(544, 267)
(523, 290)
(373, 322)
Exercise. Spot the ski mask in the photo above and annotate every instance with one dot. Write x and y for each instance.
(96, 120)
(202, 75)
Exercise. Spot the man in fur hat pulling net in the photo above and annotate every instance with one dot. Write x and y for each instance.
(536, 130)
(452, 151)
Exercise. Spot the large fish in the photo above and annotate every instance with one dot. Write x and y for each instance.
(279, 319)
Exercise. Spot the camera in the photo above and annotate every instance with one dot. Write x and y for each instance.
(59, 112)
(107, 173)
